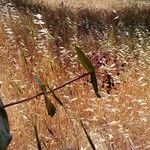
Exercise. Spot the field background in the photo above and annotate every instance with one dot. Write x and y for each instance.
(107, 4)
(38, 39)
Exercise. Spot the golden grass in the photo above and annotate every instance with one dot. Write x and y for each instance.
(106, 4)
(119, 120)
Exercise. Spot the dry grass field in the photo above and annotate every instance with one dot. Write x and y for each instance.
(38, 40)
(106, 4)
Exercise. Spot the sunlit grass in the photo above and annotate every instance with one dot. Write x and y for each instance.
(119, 120)
(107, 4)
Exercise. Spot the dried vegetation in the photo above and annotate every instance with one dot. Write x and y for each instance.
(39, 40)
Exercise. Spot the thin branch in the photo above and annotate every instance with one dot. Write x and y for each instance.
(48, 92)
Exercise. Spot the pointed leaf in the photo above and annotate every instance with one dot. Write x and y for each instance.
(86, 63)
(49, 105)
(89, 67)
(94, 84)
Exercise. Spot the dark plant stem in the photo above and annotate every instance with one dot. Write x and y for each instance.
(48, 92)
(87, 136)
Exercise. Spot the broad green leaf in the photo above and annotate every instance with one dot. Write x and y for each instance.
(49, 105)
(89, 67)
(94, 84)
(86, 63)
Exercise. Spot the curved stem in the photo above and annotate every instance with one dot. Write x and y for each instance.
(48, 92)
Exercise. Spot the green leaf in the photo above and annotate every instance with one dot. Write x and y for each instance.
(94, 84)
(89, 67)
(86, 63)
(49, 105)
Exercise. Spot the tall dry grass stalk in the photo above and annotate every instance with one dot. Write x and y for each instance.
(39, 40)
